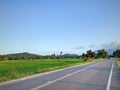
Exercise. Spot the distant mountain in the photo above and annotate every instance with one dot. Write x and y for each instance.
(70, 55)
(22, 54)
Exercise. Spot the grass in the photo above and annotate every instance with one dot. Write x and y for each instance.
(118, 62)
(14, 69)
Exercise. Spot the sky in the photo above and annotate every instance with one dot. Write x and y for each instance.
(50, 26)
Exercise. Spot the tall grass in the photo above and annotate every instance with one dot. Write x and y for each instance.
(118, 62)
(19, 68)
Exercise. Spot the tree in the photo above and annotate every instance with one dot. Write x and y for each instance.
(90, 54)
(83, 55)
(4, 58)
(116, 53)
(53, 56)
(102, 53)
(61, 53)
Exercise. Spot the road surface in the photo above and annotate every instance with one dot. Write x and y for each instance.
(100, 75)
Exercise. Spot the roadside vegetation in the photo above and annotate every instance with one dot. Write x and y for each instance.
(118, 62)
(116, 54)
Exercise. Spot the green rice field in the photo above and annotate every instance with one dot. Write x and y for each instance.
(13, 69)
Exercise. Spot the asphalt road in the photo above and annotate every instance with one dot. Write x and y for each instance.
(100, 75)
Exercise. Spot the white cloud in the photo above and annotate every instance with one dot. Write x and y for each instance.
(117, 42)
(110, 47)
(114, 44)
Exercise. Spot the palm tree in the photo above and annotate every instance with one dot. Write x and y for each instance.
(61, 53)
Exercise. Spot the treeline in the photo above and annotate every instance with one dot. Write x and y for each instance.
(116, 53)
(100, 54)
(29, 56)
(21, 56)
(89, 54)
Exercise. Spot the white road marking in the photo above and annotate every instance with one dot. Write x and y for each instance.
(49, 81)
(110, 77)
(63, 77)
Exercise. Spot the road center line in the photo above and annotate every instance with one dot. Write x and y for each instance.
(63, 77)
(110, 77)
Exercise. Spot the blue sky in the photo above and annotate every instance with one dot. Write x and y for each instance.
(51, 26)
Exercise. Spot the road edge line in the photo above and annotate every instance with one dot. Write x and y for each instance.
(110, 77)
